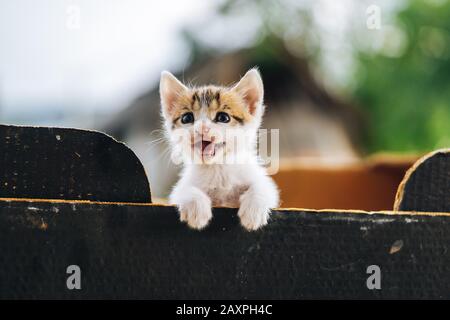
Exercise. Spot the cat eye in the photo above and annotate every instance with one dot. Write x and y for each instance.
(222, 117)
(188, 117)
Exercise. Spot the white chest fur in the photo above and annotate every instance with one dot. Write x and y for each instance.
(224, 184)
(244, 186)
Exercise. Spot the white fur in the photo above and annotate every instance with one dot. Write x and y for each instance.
(244, 185)
(231, 185)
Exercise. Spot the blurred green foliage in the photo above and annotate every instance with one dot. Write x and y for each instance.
(402, 84)
(407, 93)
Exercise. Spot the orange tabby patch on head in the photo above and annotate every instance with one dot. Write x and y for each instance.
(242, 103)
(234, 104)
(211, 99)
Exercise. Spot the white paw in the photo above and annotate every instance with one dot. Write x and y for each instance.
(253, 216)
(197, 213)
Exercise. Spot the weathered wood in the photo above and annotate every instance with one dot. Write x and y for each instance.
(426, 185)
(141, 250)
(130, 251)
(56, 163)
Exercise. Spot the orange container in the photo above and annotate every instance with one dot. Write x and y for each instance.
(369, 184)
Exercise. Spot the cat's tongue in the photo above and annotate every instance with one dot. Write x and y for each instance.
(207, 148)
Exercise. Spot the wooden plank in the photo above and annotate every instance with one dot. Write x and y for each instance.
(426, 185)
(56, 163)
(142, 251)
(127, 247)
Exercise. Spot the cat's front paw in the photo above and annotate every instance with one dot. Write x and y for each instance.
(253, 215)
(197, 213)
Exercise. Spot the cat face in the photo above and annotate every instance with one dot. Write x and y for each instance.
(212, 124)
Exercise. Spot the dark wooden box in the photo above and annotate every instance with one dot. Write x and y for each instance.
(71, 197)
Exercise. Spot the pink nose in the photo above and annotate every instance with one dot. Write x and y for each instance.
(203, 129)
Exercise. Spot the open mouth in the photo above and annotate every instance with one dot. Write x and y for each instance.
(208, 148)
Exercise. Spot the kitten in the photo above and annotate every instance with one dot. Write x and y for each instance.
(213, 131)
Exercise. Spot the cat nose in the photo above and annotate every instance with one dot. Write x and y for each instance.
(202, 129)
(205, 130)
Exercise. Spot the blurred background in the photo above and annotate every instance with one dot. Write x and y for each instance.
(343, 79)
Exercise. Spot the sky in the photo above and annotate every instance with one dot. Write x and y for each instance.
(88, 56)
(97, 54)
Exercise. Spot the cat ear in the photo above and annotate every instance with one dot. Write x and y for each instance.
(170, 88)
(252, 90)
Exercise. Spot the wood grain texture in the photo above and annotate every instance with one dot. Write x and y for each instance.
(426, 185)
(56, 163)
(128, 251)
(140, 250)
